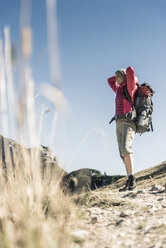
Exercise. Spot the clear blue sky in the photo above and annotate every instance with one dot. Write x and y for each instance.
(97, 37)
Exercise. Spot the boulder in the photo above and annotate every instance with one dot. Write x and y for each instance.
(86, 179)
(16, 156)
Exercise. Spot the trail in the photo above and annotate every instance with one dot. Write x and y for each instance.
(110, 219)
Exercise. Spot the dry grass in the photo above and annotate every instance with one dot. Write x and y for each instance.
(98, 199)
(34, 212)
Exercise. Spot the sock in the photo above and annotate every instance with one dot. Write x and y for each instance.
(130, 175)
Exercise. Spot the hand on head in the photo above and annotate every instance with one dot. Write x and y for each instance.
(120, 76)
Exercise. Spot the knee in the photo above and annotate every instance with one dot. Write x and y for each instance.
(124, 151)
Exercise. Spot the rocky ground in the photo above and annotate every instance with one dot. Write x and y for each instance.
(109, 219)
(101, 218)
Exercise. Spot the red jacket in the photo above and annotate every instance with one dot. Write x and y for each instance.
(122, 105)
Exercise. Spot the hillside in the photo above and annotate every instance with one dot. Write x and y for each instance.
(110, 219)
(42, 206)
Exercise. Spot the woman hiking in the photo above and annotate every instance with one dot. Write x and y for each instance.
(124, 115)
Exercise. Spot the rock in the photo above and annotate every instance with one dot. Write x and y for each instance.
(160, 199)
(164, 186)
(123, 215)
(94, 220)
(154, 188)
(140, 192)
(150, 205)
(16, 156)
(79, 233)
(119, 222)
(87, 179)
(132, 194)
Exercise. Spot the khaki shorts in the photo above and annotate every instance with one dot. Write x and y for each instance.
(125, 131)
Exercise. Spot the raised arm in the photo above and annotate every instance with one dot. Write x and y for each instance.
(113, 84)
(131, 82)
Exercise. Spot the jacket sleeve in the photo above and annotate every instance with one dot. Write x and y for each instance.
(113, 84)
(131, 82)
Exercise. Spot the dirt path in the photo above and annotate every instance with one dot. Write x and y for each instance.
(110, 219)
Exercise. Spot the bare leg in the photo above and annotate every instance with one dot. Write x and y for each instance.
(128, 160)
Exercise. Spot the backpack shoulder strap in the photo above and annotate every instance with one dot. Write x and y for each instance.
(128, 97)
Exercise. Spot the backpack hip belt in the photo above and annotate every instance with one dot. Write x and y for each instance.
(130, 116)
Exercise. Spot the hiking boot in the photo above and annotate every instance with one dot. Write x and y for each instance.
(130, 184)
